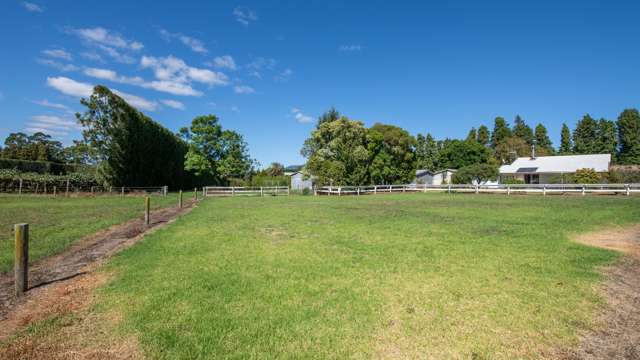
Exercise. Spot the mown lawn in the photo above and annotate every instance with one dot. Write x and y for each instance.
(389, 276)
(55, 223)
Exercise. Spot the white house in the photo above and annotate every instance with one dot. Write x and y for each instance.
(301, 181)
(550, 169)
(434, 177)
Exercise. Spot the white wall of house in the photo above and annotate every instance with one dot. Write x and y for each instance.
(298, 182)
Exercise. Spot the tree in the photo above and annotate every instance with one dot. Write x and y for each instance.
(337, 154)
(330, 115)
(214, 152)
(275, 169)
(426, 152)
(392, 151)
(78, 153)
(458, 154)
(586, 176)
(629, 136)
(35, 147)
(16, 146)
(543, 143)
(483, 135)
(607, 142)
(473, 135)
(501, 131)
(522, 130)
(510, 149)
(476, 173)
(585, 136)
(566, 145)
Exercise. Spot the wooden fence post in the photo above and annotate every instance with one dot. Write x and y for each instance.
(21, 266)
(583, 190)
(477, 188)
(66, 192)
(92, 191)
(358, 189)
(288, 191)
(204, 192)
(122, 192)
(627, 189)
(449, 186)
(508, 190)
(54, 191)
(233, 191)
(147, 208)
(375, 189)
(195, 194)
(180, 199)
(544, 190)
(261, 191)
(20, 188)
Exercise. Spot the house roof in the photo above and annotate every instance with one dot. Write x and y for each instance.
(558, 164)
(420, 172)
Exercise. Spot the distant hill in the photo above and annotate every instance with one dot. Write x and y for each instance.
(293, 168)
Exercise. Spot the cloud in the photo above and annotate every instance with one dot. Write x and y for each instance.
(117, 55)
(244, 15)
(31, 7)
(70, 87)
(243, 89)
(79, 89)
(173, 104)
(352, 47)
(176, 70)
(57, 53)
(224, 62)
(284, 75)
(46, 103)
(195, 44)
(113, 76)
(168, 86)
(53, 125)
(300, 117)
(92, 55)
(102, 36)
(57, 65)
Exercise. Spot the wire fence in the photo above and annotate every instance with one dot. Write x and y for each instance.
(68, 189)
(544, 189)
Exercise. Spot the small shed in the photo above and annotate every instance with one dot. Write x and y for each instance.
(301, 181)
(434, 177)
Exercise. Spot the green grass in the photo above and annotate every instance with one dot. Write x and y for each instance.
(394, 276)
(55, 223)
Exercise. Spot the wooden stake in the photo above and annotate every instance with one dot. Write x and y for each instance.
(195, 194)
(21, 266)
(147, 208)
(180, 199)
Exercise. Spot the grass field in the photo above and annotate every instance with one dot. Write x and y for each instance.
(55, 223)
(390, 276)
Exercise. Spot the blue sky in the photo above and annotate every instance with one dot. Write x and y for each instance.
(269, 68)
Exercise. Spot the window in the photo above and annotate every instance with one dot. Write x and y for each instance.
(531, 178)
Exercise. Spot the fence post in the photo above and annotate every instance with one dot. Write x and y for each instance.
(180, 199)
(544, 190)
(20, 188)
(508, 190)
(204, 193)
(375, 189)
(261, 191)
(195, 194)
(37, 186)
(91, 191)
(21, 266)
(627, 189)
(66, 191)
(147, 208)
(54, 190)
(122, 192)
(358, 190)
(449, 187)
(339, 190)
(288, 191)
(110, 189)
(583, 190)
(477, 188)
(233, 191)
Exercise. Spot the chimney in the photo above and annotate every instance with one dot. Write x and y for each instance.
(533, 151)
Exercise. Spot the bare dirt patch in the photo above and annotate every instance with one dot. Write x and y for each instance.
(62, 288)
(617, 334)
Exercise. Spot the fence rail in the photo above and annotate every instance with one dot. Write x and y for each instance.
(209, 191)
(544, 189)
(65, 188)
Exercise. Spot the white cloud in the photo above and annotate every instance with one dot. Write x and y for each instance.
(92, 55)
(352, 47)
(176, 70)
(243, 89)
(173, 104)
(57, 65)
(70, 87)
(52, 125)
(137, 101)
(113, 76)
(117, 55)
(300, 117)
(35, 129)
(99, 35)
(284, 75)
(224, 62)
(195, 44)
(57, 53)
(79, 89)
(244, 15)
(172, 87)
(31, 7)
(46, 103)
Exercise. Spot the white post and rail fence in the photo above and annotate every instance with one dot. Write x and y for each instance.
(219, 191)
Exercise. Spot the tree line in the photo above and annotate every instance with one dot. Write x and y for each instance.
(341, 151)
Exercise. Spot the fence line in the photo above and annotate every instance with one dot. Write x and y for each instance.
(544, 189)
(209, 191)
(65, 188)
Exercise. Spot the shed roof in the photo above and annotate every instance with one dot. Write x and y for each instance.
(558, 164)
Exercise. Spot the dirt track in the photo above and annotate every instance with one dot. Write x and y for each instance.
(81, 257)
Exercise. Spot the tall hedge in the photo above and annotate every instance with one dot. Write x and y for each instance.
(44, 167)
(133, 150)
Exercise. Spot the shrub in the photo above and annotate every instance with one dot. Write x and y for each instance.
(586, 176)
(475, 173)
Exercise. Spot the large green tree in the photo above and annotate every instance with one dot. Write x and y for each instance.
(472, 135)
(392, 152)
(585, 136)
(35, 147)
(522, 130)
(607, 137)
(426, 152)
(337, 154)
(483, 135)
(566, 146)
(458, 154)
(543, 143)
(629, 136)
(501, 131)
(510, 149)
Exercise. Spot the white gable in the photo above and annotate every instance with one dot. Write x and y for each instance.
(558, 164)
